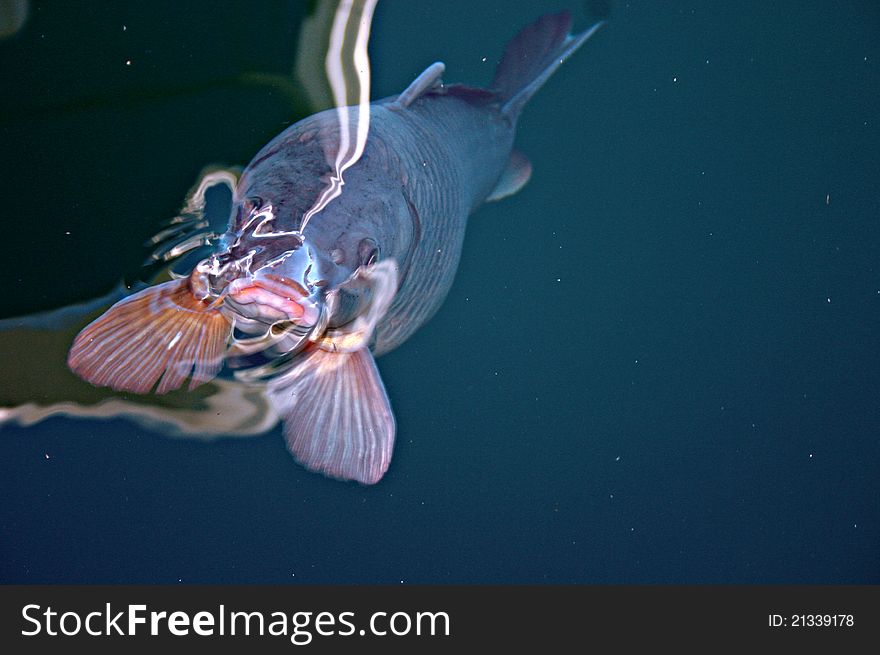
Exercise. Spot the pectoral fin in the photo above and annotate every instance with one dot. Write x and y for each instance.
(515, 175)
(162, 335)
(337, 418)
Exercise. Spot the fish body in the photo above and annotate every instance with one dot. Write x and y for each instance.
(409, 195)
(305, 289)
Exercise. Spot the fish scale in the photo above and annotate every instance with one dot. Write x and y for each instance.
(437, 189)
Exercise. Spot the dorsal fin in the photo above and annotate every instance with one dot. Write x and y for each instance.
(429, 79)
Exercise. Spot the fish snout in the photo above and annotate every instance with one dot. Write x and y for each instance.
(273, 295)
(271, 298)
(272, 315)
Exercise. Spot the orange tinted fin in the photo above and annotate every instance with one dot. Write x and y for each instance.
(162, 335)
(336, 414)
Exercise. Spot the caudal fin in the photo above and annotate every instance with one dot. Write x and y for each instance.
(532, 56)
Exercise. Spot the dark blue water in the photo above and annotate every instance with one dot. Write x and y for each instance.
(659, 362)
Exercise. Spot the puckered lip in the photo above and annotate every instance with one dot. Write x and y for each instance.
(271, 298)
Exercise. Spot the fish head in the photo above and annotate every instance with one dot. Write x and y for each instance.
(269, 239)
(258, 300)
(268, 282)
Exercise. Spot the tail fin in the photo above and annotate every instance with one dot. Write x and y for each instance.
(532, 56)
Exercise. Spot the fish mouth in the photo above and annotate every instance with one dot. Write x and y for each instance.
(271, 301)
(274, 319)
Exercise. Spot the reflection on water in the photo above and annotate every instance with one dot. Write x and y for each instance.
(348, 71)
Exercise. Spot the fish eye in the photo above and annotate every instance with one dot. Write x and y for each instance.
(368, 251)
